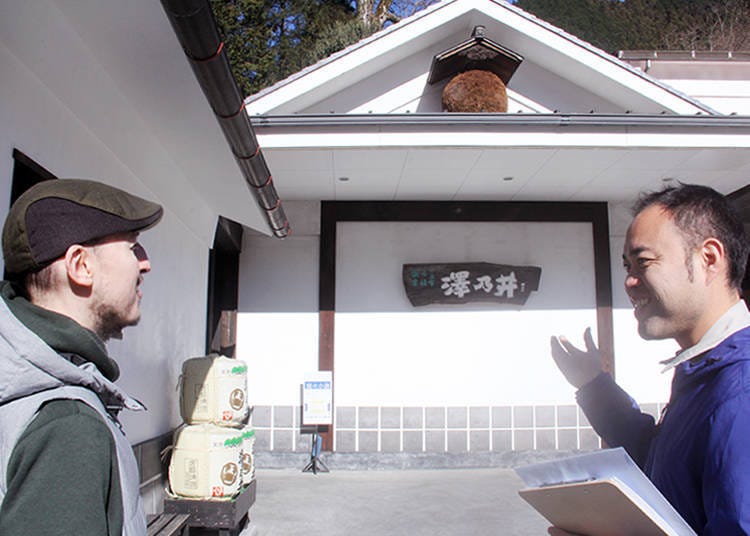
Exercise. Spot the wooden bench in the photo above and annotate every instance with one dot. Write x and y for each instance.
(168, 525)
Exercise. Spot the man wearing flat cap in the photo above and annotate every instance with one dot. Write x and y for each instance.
(75, 267)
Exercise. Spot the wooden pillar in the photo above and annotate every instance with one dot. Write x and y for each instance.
(325, 362)
(327, 304)
(603, 282)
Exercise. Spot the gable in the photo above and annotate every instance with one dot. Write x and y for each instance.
(387, 73)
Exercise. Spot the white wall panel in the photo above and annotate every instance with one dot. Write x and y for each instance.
(35, 121)
(277, 325)
(279, 348)
(475, 358)
(388, 352)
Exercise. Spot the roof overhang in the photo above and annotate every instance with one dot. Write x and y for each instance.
(549, 157)
(118, 68)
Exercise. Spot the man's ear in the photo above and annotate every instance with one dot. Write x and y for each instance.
(79, 265)
(714, 259)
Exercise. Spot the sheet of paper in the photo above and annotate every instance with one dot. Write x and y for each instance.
(599, 465)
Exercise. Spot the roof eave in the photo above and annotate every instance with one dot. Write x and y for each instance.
(500, 120)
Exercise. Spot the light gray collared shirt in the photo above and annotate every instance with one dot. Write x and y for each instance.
(736, 318)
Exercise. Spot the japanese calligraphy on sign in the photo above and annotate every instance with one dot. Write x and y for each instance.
(469, 282)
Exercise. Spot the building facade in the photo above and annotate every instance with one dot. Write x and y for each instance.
(374, 175)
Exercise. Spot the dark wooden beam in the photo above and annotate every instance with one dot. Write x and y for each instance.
(327, 302)
(603, 282)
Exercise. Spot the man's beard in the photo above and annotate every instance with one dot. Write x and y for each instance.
(110, 322)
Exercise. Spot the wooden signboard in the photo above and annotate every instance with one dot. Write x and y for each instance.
(469, 282)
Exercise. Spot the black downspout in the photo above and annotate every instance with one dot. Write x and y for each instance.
(196, 29)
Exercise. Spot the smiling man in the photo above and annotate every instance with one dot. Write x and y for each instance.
(75, 269)
(684, 258)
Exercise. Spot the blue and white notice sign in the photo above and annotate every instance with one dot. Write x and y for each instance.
(317, 398)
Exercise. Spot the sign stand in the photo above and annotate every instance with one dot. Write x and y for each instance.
(315, 464)
(317, 410)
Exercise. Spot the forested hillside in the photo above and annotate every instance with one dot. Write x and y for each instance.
(269, 40)
(614, 25)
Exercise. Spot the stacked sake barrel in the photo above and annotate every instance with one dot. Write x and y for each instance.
(212, 455)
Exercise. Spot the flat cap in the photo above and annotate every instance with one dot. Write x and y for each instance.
(53, 215)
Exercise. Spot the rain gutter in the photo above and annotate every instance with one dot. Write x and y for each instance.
(196, 29)
(502, 120)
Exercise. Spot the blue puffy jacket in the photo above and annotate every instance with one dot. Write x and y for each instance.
(699, 454)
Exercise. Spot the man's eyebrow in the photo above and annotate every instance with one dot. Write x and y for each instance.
(634, 251)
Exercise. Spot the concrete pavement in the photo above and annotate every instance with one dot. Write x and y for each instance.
(435, 502)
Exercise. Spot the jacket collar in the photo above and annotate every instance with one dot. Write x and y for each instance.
(736, 318)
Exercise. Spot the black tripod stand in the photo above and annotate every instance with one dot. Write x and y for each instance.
(315, 464)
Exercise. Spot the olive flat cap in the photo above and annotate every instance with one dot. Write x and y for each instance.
(53, 215)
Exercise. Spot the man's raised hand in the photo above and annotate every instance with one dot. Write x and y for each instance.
(578, 366)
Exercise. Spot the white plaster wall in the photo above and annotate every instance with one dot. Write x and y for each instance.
(277, 322)
(388, 352)
(35, 120)
(473, 354)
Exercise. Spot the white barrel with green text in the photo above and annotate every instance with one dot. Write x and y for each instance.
(247, 470)
(213, 389)
(206, 461)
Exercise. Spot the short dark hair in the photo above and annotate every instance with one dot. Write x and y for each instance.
(36, 283)
(701, 212)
